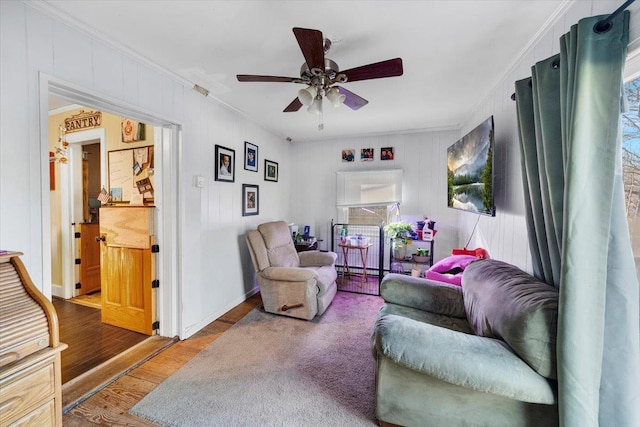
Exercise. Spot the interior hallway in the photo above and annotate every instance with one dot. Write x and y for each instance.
(90, 341)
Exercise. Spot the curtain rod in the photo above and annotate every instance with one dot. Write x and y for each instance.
(602, 25)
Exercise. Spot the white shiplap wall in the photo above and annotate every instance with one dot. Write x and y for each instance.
(421, 156)
(216, 271)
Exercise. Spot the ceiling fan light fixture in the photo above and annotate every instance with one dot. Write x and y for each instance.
(316, 107)
(335, 97)
(319, 73)
(307, 95)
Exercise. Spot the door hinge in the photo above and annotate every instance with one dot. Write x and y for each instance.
(155, 283)
(77, 234)
(155, 325)
(155, 249)
(78, 261)
(78, 285)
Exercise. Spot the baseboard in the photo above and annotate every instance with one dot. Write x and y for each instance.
(192, 329)
(57, 290)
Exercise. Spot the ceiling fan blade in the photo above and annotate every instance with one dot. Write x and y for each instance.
(294, 106)
(352, 100)
(275, 79)
(312, 45)
(378, 70)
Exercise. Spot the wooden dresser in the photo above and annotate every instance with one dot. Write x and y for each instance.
(30, 380)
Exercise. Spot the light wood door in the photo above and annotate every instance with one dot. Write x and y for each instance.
(127, 268)
(89, 258)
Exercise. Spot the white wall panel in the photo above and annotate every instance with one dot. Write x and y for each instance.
(107, 70)
(149, 88)
(216, 258)
(39, 41)
(129, 80)
(72, 55)
(168, 96)
(15, 229)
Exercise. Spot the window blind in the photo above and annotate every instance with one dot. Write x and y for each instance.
(376, 187)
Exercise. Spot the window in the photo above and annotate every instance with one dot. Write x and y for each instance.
(368, 188)
(631, 163)
(363, 197)
(367, 215)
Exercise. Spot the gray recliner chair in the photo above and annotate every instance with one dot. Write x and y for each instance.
(293, 284)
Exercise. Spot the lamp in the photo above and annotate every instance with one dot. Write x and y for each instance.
(335, 97)
(316, 105)
(307, 95)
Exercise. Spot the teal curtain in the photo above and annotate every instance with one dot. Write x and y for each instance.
(570, 138)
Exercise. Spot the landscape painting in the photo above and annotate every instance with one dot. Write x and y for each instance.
(470, 171)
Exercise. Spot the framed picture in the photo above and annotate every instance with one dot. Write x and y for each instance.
(270, 171)
(366, 154)
(386, 153)
(250, 157)
(225, 164)
(131, 130)
(250, 199)
(347, 155)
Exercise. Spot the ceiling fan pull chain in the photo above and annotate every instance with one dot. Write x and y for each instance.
(320, 120)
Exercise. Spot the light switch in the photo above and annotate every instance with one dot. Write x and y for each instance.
(200, 181)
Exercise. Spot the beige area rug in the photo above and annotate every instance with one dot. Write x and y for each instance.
(91, 300)
(270, 370)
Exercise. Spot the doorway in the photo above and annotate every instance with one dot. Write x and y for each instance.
(167, 155)
(76, 260)
(74, 211)
(165, 139)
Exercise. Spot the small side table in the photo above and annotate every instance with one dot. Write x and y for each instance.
(364, 252)
(306, 246)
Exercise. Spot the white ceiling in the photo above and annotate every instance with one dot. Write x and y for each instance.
(453, 53)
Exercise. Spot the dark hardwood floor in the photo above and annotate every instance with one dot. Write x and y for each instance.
(90, 341)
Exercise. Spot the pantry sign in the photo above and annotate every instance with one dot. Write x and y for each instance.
(83, 120)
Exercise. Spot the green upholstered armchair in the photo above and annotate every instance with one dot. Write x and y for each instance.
(478, 355)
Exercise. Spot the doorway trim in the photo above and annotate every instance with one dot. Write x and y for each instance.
(169, 311)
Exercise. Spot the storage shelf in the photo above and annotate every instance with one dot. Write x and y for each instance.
(408, 263)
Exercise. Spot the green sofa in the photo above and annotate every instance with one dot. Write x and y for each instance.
(478, 355)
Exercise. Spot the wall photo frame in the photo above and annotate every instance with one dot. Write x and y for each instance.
(270, 171)
(347, 155)
(386, 153)
(225, 165)
(250, 199)
(132, 131)
(250, 157)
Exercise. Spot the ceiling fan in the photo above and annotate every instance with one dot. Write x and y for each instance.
(321, 75)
